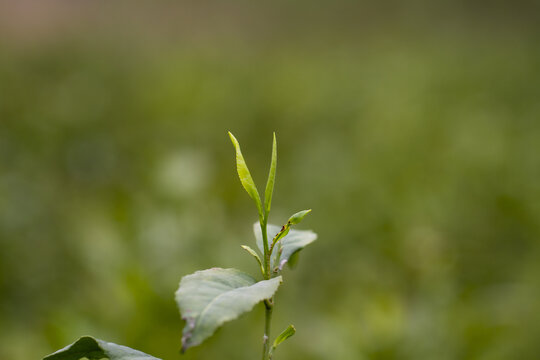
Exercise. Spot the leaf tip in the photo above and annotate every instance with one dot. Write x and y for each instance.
(287, 333)
(298, 217)
(233, 139)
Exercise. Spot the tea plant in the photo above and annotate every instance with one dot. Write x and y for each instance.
(209, 298)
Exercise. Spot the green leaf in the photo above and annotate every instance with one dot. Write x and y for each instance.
(287, 333)
(298, 217)
(245, 176)
(90, 348)
(209, 298)
(255, 255)
(271, 178)
(282, 233)
(291, 243)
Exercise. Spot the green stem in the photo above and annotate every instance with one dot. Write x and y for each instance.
(269, 306)
(265, 249)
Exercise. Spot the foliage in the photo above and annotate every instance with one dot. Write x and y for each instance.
(415, 141)
(209, 298)
(88, 348)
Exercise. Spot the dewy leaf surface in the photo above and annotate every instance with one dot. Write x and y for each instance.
(293, 242)
(95, 349)
(209, 298)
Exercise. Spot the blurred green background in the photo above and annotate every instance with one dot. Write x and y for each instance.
(411, 129)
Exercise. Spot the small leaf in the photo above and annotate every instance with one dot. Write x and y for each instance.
(209, 298)
(293, 242)
(299, 216)
(287, 333)
(271, 178)
(255, 255)
(91, 348)
(245, 176)
(282, 233)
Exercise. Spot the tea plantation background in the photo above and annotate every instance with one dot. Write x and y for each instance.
(411, 129)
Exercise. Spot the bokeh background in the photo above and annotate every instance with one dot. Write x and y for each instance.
(411, 129)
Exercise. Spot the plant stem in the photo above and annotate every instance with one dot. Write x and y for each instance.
(266, 254)
(269, 306)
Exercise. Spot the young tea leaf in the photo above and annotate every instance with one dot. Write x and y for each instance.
(298, 217)
(209, 298)
(271, 179)
(255, 255)
(287, 333)
(245, 176)
(91, 348)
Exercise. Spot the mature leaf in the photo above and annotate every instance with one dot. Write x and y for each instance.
(255, 255)
(271, 178)
(293, 242)
(209, 298)
(287, 333)
(245, 176)
(90, 348)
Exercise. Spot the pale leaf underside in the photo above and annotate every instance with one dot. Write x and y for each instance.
(293, 242)
(209, 298)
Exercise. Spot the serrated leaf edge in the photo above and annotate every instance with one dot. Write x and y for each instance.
(190, 320)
